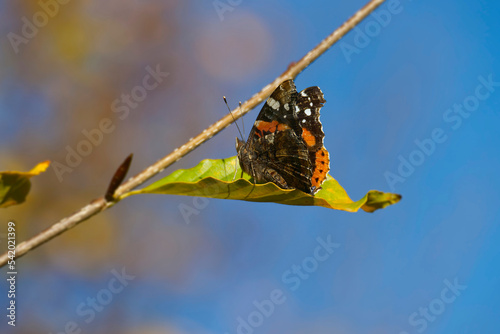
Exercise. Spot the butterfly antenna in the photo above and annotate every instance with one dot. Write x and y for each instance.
(242, 120)
(225, 101)
(241, 134)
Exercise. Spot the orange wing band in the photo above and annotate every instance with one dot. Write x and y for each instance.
(322, 167)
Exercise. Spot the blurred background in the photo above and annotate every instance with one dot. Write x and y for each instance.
(419, 82)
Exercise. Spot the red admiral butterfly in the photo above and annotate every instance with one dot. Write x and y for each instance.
(285, 145)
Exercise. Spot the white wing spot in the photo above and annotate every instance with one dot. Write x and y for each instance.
(307, 112)
(303, 94)
(286, 106)
(297, 109)
(304, 120)
(273, 103)
(311, 104)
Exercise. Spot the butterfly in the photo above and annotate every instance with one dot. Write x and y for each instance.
(285, 145)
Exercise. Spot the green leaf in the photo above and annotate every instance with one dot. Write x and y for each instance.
(214, 178)
(15, 186)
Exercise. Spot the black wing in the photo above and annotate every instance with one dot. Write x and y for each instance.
(279, 109)
(308, 106)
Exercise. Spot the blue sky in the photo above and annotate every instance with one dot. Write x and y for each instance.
(390, 271)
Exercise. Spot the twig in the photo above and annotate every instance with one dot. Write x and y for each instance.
(101, 204)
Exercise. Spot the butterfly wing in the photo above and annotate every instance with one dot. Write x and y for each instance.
(278, 113)
(285, 145)
(308, 106)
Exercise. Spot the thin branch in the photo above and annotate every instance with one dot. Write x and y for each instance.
(101, 204)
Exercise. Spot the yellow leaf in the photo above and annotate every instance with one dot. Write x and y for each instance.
(213, 178)
(15, 186)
